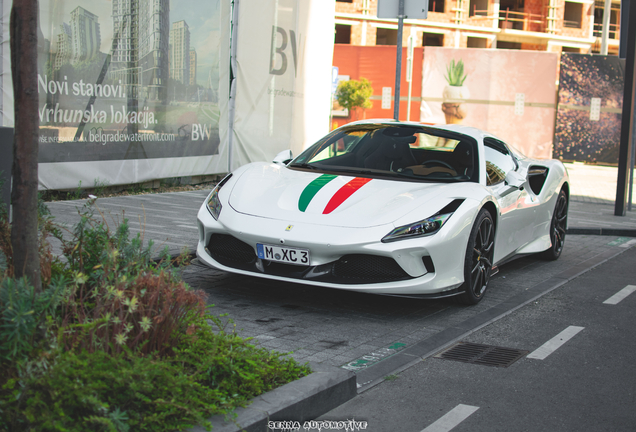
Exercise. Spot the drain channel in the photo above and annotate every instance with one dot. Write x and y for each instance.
(486, 355)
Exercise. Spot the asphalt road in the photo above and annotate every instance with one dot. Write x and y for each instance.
(577, 372)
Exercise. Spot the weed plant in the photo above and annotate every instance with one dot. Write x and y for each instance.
(116, 342)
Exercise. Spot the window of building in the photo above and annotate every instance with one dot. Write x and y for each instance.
(343, 34)
(508, 45)
(432, 39)
(436, 6)
(477, 42)
(478, 8)
(571, 49)
(386, 36)
(572, 15)
(599, 7)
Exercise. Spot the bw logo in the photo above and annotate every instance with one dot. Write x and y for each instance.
(278, 51)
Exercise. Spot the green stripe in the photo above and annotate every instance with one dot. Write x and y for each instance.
(312, 189)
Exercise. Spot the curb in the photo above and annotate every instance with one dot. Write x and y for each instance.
(305, 399)
(621, 232)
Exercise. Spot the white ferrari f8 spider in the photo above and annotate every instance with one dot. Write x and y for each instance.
(390, 208)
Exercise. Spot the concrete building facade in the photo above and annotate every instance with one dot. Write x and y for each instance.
(180, 52)
(543, 25)
(86, 37)
(140, 47)
(193, 67)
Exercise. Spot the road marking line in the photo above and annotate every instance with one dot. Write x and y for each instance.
(374, 357)
(616, 298)
(452, 418)
(628, 244)
(556, 342)
(189, 226)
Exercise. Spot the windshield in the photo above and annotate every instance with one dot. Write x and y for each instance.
(403, 151)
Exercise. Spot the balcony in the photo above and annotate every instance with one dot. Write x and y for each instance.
(521, 21)
(614, 31)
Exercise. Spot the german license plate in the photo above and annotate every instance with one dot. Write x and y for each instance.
(283, 254)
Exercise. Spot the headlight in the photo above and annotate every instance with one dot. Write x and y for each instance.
(424, 227)
(213, 202)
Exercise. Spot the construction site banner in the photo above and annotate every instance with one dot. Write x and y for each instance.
(128, 90)
(588, 121)
(508, 93)
(283, 76)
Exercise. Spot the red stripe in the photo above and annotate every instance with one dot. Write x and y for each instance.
(345, 192)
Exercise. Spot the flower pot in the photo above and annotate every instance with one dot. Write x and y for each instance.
(452, 97)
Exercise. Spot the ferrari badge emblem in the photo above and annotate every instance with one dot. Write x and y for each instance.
(289, 228)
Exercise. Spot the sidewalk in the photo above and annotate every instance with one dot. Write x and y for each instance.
(593, 191)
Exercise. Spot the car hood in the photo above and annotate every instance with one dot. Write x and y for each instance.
(276, 192)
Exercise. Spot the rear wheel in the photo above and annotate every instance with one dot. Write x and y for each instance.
(557, 228)
(478, 261)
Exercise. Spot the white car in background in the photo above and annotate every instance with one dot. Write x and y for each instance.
(386, 207)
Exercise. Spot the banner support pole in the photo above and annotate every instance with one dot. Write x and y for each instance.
(232, 101)
(627, 119)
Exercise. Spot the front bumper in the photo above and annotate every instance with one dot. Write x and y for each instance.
(344, 258)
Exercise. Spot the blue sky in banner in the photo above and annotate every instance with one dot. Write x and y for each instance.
(202, 17)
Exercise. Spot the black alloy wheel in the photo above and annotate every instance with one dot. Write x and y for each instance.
(478, 261)
(557, 228)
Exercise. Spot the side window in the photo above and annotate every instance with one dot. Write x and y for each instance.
(499, 161)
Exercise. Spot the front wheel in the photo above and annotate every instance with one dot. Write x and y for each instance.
(557, 228)
(478, 261)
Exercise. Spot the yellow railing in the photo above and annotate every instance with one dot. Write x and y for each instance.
(614, 30)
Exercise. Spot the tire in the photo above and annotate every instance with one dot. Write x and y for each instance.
(478, 262)
(557, 228)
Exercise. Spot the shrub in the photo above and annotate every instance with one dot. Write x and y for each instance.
(148, 312)
(23, 314)
(46, 228)
(120, 296)
(210, 373)
(92, 244)
(116, 342)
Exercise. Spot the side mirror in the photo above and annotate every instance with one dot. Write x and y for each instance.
(283, 157)
(515, 180)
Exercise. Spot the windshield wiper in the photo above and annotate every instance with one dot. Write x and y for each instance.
(303, 165)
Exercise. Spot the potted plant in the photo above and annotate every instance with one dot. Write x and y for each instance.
(454, 93)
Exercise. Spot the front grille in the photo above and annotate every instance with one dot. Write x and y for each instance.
(350, 269)
(226, 248)
(368, 269)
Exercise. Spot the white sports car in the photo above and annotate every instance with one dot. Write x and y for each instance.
(390, 208)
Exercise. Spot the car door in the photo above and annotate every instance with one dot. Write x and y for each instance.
(509, 186)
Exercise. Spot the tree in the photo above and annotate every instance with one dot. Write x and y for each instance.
(354, 94)
(24, 194)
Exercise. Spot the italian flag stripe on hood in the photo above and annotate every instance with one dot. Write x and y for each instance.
(339, 196)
